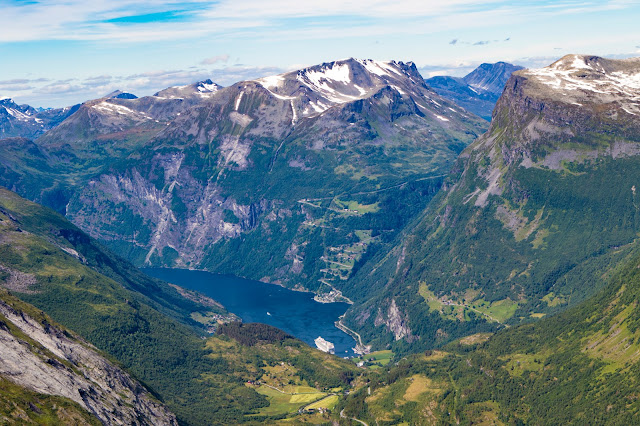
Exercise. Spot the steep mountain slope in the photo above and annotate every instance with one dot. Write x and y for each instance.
(578, 367)
(319, 165)
(88, 139)
(144, 324)
(479, 90)
(535, 214)
(41, 356)
(28, 122)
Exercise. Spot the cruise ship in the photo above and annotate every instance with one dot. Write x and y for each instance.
(325, 346)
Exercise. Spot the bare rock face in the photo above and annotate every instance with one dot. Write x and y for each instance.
(49, 360)
(395, 322)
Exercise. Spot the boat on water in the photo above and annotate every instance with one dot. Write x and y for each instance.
(325, 346)
(269, 313)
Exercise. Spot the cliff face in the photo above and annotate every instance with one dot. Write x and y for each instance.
(47, 359)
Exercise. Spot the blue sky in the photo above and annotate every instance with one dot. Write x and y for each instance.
(57, 53)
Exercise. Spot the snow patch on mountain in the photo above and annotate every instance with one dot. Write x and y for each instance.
(238, 100)
(340, 73)
(111, 108)
(578, 78)
(379, 68)
(208, 87)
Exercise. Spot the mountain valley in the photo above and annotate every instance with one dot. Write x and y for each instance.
(491, 267)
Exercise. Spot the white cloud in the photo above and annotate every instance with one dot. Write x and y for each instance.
(215, 59)
(85, 20)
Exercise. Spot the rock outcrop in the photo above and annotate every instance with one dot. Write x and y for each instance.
(43, 357)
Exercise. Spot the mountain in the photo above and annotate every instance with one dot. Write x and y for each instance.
(361, 145)
(119, 123)
(200, 89)
(479, 90)
(28, 122)
(87, 139)
(533, 218)
(152, 330)
(119, 94)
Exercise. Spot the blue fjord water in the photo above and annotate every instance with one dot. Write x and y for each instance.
(253, 301)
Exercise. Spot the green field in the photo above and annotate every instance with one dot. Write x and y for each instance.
(285, 403)
(499, 311)
(375, 359)
(329, 403)
(355, 207)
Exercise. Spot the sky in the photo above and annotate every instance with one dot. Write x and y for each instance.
(59, 53)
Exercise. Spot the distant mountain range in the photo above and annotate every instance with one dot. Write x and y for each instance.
(26, 121)
(478, 91)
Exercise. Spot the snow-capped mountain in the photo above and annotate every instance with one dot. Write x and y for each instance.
(479, 90)
(200, 89)
(582, 80)
(26, 121)
(120, 113)
(312, 91)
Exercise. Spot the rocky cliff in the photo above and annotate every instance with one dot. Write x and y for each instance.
(43, 357)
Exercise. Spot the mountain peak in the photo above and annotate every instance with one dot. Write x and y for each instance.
(479, 90)
(588, 79)
(203, 88)
(207, 86)
(332, 83)
(490, 77)
(119, 94)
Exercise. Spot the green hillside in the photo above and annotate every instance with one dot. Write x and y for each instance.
(577, 367)
(143, 323)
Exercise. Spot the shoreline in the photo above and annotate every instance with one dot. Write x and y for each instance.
(334, 296)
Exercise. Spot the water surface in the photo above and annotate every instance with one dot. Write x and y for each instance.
(253, 301)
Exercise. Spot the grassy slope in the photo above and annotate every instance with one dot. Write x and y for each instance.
(580, 366)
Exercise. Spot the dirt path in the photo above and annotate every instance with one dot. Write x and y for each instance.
(352, 418)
